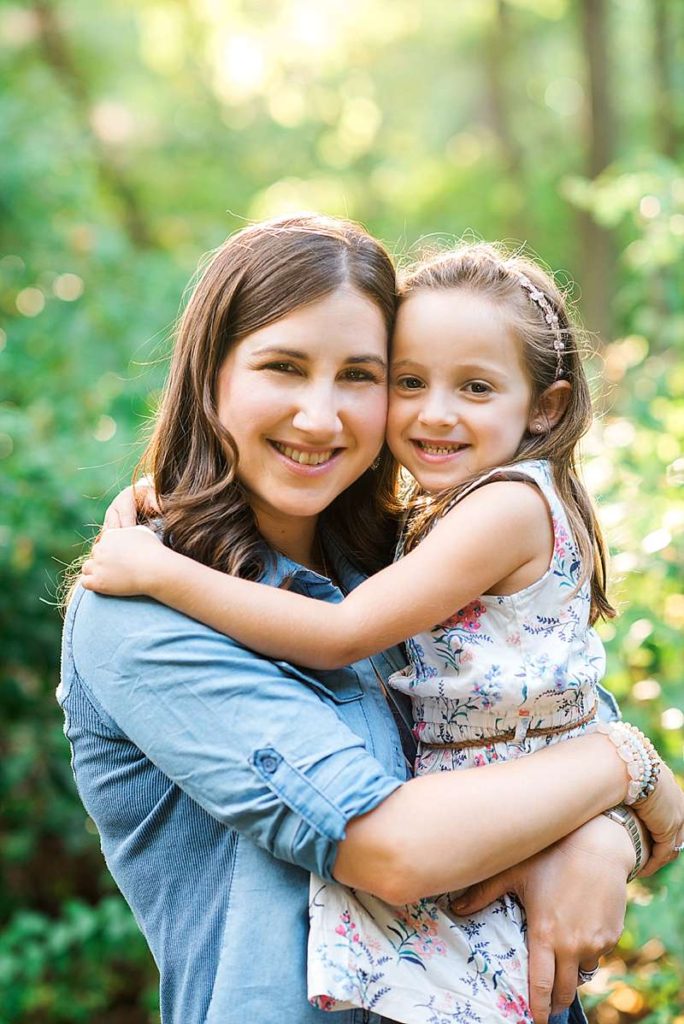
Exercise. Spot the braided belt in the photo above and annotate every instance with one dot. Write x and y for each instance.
(510, 734)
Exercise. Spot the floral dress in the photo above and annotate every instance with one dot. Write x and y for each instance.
(514, 663)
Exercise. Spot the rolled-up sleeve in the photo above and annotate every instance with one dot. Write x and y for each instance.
(257, 748)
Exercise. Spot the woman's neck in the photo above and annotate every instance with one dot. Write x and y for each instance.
(293, 537)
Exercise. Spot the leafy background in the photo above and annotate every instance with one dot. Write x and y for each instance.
(136, 134)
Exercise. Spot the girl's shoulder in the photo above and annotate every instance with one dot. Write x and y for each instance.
(535, 471)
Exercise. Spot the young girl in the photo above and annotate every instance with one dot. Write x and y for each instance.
(498, 578)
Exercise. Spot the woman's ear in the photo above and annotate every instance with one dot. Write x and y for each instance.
(550, 407)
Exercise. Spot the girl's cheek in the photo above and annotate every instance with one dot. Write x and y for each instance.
(395, 422)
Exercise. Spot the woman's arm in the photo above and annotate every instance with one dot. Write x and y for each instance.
(446, 830)
(265, 755)
(470, 550)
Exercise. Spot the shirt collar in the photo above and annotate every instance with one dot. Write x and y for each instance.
(279, 568)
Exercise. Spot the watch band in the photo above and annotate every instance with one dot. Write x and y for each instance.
(624, 817)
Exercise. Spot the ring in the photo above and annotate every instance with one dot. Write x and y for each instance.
(585, 976)
(678, 849)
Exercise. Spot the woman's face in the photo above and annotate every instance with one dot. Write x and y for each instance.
(305, 400)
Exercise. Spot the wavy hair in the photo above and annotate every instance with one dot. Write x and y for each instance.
(255, 278)
(489, 270)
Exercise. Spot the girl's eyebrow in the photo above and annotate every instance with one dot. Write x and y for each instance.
(462, 367)
(293, 353)
(397, 363)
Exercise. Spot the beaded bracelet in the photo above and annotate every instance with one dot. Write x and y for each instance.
(640, 756)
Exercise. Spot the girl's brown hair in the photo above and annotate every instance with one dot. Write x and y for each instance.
(258, 276)
(488, 270)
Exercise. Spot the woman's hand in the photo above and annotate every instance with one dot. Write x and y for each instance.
(663, 815)
(123, 511)
(574, 895)
(125, 562)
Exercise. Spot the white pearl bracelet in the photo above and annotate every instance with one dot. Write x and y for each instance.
(639, 755)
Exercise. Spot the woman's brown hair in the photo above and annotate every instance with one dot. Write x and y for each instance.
(488, 270)
(258, 276)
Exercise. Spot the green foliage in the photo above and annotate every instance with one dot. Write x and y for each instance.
(134, 140)
(72, 969)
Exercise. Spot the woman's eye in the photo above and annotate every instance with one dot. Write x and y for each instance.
(354, 374)
(409, 383)
(282, 367)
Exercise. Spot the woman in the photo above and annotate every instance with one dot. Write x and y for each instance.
(217, 784)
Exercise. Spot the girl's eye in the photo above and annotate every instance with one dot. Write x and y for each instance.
(478, 387)
(409, 383)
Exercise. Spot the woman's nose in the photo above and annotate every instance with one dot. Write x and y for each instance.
(318, 412)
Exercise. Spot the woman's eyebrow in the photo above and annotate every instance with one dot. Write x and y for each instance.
(376, 360)
(293, 353)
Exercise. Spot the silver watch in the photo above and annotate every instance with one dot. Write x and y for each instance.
(624, 817)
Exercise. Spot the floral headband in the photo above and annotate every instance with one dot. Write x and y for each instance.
(550, 316)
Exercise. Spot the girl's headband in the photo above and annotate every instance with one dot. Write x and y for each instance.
(550, 316)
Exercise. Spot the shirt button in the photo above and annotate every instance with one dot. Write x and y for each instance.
(269, 764)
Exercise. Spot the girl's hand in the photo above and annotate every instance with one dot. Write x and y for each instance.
(663, 815)
(123, 511)
(124, 562)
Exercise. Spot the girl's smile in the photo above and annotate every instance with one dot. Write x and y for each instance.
(460, 399)
(438, 450)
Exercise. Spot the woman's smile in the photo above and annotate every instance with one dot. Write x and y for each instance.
(305, 401)
(309, 461)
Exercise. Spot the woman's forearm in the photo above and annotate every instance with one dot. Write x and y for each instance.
(448, 830)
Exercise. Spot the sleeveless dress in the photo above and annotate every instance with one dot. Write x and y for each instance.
(519, 662)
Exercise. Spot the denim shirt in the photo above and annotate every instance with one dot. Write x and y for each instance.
(218, 779)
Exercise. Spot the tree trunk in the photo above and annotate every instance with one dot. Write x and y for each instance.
(599, 254)
(497, 48)
(664, 33)
(59, 58)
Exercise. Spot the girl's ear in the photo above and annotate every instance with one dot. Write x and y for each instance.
(550, 407)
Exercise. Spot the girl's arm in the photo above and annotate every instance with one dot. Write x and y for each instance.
(500, 529)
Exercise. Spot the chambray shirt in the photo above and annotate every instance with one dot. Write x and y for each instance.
(218, 780)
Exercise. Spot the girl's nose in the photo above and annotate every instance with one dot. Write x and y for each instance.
(438, 411)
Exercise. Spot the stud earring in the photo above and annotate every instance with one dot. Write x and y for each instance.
(538, 427)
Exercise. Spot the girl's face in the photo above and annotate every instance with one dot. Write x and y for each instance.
(305, 400)
(460, 399)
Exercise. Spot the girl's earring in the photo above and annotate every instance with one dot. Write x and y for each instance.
(538, 428)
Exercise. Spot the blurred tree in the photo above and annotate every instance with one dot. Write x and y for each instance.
(134, 139)
(599, 251)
